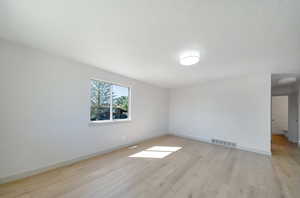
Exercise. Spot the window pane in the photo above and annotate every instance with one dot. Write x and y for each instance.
(100, 100)
(120, 102)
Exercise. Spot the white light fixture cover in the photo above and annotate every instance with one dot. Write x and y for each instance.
(288, 80)
(189, 58)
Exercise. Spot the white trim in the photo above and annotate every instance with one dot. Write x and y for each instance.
(111, 103)
(109, 121)
(207, 140)
(129, 103)
(111, 82)
(72, 161)
(254, 150)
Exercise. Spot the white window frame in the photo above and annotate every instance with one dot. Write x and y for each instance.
(111, 120)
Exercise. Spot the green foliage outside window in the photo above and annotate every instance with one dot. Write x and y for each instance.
(101, 101)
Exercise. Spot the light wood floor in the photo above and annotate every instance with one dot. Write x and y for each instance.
(197, 170)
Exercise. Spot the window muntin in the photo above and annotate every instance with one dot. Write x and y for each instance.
(109, 102)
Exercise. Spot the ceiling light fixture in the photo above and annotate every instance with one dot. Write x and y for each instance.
(189, 58)
(288, 80)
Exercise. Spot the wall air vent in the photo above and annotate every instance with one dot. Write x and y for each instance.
(223, 143)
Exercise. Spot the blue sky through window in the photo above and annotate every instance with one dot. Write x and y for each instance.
(120, 91)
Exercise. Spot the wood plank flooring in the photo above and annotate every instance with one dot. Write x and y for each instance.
(197, 170)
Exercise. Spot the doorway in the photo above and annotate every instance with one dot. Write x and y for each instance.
(285, 111)
(284, 123)
(280, 115)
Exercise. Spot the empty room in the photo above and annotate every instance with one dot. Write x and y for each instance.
(149, 99)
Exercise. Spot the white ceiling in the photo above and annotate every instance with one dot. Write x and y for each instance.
(142, 39)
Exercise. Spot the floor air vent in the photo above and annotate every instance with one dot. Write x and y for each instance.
(223, 143)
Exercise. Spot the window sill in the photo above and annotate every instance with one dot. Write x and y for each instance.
(109, 121)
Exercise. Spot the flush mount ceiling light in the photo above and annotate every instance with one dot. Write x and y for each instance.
(189, 58)
(288, 80)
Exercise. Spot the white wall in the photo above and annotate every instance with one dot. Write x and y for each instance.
(236, 110)
(293, 117)
(280, 114)
(44, 116)
(44, 106)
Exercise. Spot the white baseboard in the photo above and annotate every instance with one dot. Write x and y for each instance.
(207, 140)
(254, 150)
(68, 162)
(72, 161)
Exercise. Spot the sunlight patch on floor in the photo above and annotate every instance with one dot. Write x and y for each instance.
(151, 154)
(158, 152)
(164, 148)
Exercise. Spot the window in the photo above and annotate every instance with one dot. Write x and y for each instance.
(120, 97)
(109, 102)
